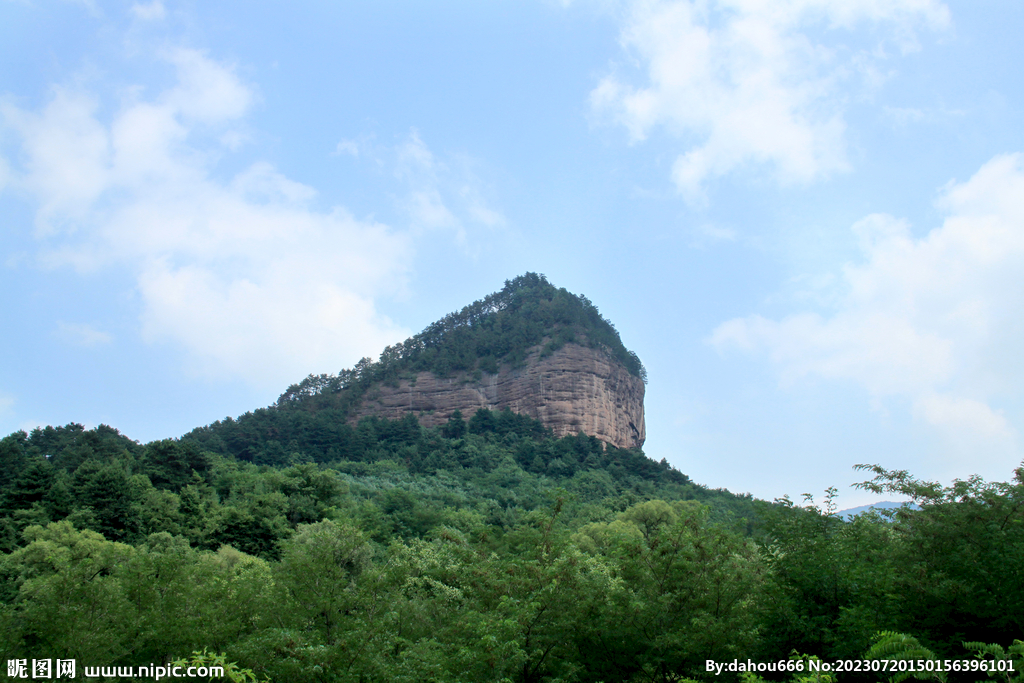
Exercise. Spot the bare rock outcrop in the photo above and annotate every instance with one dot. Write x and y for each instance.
(574, 389)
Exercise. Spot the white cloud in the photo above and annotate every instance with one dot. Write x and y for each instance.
(904, 116)
(934, 319)
(443, 194)
(153, 11)
(244, 274)
(437, 192)
(82, 334)
(350, 147)
(67, 154)
(88, 4)
(6, 402)
(296, 316)
(421, 170)
(365, 145)
(751, 82)
(206, 91)
(709, 234)
(959, 416)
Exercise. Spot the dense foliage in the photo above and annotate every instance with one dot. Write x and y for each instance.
(499, 329)
(484, 550)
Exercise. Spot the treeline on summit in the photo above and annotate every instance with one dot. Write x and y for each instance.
(480, 550)
(499, 329)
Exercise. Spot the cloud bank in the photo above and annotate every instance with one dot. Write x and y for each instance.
(933, 320)
(741, 83)
(241, 271)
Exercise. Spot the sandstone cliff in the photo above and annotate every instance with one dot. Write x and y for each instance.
(575, 389)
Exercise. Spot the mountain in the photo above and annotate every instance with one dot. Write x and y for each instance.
(850, 513)
(319, 539)
(532, 348)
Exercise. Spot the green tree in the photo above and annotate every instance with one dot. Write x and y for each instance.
(320, 566)
(958, 558)
(69, 601)
(455, 427)
(692, 592)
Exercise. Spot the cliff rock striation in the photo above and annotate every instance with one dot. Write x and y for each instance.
(572, 389)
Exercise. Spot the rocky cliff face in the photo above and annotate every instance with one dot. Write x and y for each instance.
(575, 389)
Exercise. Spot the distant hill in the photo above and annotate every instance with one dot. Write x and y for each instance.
(850, 513)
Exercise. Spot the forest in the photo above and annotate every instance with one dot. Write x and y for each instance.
(483, 550)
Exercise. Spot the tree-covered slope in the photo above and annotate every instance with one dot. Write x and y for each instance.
(500, 328)
(503, 463)
(486, 551)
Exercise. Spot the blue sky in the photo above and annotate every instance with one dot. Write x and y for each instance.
(805, 216)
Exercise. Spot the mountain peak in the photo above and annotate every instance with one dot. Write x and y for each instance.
(531, 347)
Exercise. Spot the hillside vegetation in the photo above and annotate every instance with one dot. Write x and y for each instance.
(498, 329)
(484, 550)
(306, 548)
